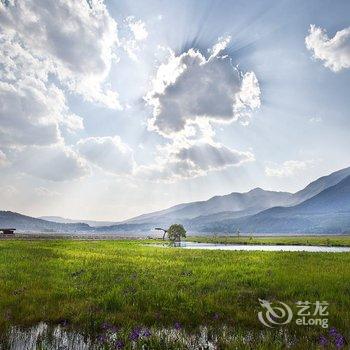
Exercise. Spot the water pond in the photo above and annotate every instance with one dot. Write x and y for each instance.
(265, 248)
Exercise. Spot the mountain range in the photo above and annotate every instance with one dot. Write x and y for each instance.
(326, 212)
(321, 207)
(92, 223)
(260, 211)
(30, 224)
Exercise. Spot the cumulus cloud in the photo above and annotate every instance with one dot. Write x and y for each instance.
(189, 95)
(212, 156)
(189, 87)
(288, 168)
(334, 52)
(108, 153)
(192, 160)
(32, 113)
(49, 48)
(32, 110)
(138, 28)
(134, 32)
(54, 163)
(220, 46)
(74, 41)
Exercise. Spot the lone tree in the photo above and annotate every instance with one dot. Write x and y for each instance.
(175, 232)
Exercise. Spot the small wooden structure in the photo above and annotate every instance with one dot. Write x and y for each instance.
(7, 231)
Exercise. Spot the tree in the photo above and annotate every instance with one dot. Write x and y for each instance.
(175, 232)
(162, 229)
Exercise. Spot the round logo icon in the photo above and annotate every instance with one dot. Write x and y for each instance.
(276, 315)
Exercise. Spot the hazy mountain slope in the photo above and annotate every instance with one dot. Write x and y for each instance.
(256, 199)
(234, 205)
(27, 223)
(224, 215)
(319, 185)
(252, 201)
(136, 229)
(327, 212)
(321, 207)
(92, 223)
(154, 215)
(333, 199)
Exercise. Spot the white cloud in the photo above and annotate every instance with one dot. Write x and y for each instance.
(287, 168)
(192, 160)
(334, 52)
(49, 48)
(54, 163)
(32, 113)
(74, 41)
(189, 87)
(108, 153)
(315, 120)
(134, 32)
(138, 28)
(219, 46)
(205, 156)
(189, 94)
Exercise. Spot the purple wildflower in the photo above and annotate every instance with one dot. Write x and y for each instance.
(339, 341)
(323, 341)
(147, 333)
(135, 334)
(177, 326)
(119, 344)
(102, 338)
(333, 332)
(216, 316)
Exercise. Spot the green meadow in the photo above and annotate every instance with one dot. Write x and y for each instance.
(331, 241)
(128, 284)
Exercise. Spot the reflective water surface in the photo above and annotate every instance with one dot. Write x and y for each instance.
(268, 248)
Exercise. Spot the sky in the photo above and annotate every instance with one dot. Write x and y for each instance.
(110, 109)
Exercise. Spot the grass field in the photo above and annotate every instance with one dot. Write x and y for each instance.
(334, 241)
(87, 284)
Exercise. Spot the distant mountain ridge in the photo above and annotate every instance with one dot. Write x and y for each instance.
(245, 203)
(321, 207)
(326, 212)
(235, 205)
(92, 223)
(28, 223)
(319, 185)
